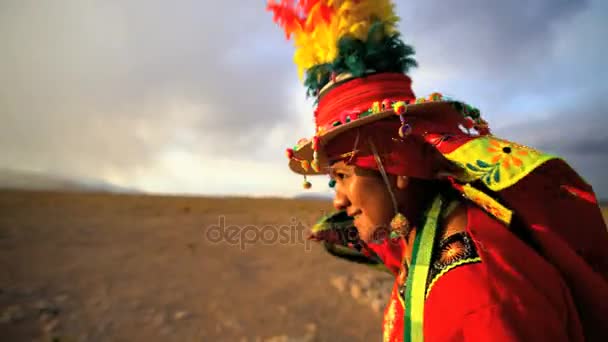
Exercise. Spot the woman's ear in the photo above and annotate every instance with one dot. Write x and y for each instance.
(402, 182)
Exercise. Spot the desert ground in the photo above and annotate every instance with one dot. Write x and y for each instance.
(108, 267)
(103, 267)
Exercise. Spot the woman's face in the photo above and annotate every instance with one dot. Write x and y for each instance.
(365, 197)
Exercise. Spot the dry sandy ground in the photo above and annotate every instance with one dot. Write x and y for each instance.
(83, 267)
(91, 267)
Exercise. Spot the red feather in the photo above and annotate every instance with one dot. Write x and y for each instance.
(286, 16)
(292, 15)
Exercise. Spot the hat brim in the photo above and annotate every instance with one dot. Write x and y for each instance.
(441, 110)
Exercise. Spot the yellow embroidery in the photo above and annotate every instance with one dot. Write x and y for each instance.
(496, 162)
(488, 204)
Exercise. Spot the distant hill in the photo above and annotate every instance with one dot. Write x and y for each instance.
(27, 180)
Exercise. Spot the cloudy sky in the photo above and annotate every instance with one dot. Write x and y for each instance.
(202, 97)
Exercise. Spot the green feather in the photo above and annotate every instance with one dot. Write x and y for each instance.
(379, 53)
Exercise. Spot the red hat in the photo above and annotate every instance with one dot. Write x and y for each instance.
(355, 65)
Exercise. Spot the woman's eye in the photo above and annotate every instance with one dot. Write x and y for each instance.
(340, 175)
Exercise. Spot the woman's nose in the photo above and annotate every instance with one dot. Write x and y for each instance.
(340, 201)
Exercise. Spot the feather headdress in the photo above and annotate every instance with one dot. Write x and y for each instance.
(333, 37)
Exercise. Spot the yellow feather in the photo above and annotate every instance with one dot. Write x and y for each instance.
(351, 18)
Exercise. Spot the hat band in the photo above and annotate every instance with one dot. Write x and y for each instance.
(357, 96)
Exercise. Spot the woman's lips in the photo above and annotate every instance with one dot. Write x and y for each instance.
(354, 214)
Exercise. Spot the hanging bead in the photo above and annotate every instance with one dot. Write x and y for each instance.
(332, 183)
(400, 225)
(307, 185)
(405, 130)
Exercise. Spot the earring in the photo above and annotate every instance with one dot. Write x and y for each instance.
(400, 226)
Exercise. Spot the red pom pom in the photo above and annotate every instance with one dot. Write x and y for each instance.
(386, 104)
(468, 123)
(400, 109)
(483, 130)
(289, 153)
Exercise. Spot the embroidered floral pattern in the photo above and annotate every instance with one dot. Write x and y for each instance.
(502, 156)
(496, 162)
(506, 154)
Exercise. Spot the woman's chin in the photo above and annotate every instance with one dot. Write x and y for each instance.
(380, 234)
(365, 234)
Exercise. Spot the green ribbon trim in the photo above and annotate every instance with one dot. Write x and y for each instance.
(422, 251)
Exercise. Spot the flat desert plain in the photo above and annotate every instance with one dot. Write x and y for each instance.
(107, 267)
(103, 267)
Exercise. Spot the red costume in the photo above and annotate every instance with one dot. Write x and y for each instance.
(511, 294)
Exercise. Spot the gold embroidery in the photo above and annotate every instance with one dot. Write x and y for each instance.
(488, 204)
(451, 252)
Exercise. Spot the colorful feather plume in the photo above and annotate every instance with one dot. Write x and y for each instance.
(334, 36)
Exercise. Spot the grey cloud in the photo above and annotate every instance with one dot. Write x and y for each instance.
(578, 129)
(581, 142)
(595, 146)
(502, 53)
(487, 38)
(110, 85)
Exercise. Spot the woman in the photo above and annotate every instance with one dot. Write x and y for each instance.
(487, 239)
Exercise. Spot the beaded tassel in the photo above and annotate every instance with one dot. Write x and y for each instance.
(400, 109)
(400, 226)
